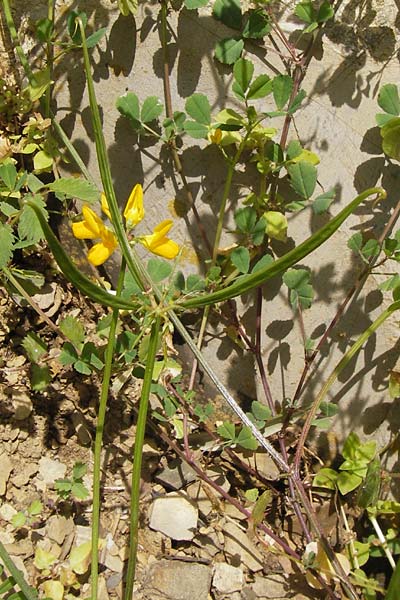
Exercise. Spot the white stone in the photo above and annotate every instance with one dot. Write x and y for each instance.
(50, 470)
(7, 512)
(175, 516)
(5, 470)
(240, 549)
(227, 579)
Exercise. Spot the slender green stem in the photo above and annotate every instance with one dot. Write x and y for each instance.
(137, 457)
(222, 209)
(50, 58)
(338, 369)
(28, 592)
(105, 385)
(71, 149)
(15, 39)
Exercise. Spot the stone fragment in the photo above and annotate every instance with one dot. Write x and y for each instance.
(22, 405)
(50, 470)
(227, 579)
(175, 516)
(240, 549)
(81, 428)
(102, 588)
(176, 475)
(23, 475)
(7, 511)
(175, 580)
(5, 471)
(271, 586)
(114, 563)
(114, 580)
(58, 528)
(83, 534)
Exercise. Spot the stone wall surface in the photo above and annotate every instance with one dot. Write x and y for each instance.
(359, 53)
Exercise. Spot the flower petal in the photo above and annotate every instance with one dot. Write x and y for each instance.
(166, 248)
(104, 206)
(82, 232)
(159, 243)
(93, 221)
(99, 253)
(134, 209)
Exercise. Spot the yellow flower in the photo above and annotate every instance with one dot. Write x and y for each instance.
(158, 243)
(134, 210)
(93, 228)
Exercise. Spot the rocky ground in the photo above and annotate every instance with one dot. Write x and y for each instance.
(193, 545)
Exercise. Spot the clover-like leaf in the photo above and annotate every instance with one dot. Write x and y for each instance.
(227, 51)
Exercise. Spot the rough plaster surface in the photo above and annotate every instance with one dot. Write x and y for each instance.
(358, 55)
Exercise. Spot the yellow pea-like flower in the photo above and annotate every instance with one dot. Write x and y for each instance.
(158, 242)
(93, 228)
(134, 209)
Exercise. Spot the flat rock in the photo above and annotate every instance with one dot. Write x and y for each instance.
(240, 549)
(176, 475)
(271, 586)
(227, 579)
(5, 470)
(22, 405)
(50, 470)
(7, 511)
(174, 580)
(23, 475)
(58, 528)
(114, 563)
(175, 516)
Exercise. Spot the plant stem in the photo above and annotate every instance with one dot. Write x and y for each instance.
(105, 385)
(28, 592)
(15, 39)
(383, 541)
(137, 458)
(50, 58)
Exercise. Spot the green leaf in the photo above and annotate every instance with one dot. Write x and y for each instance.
(79, 558)
(90, 355)
(195, 130)
(251, 494)
(198, 107)
(368, 493)
(128, 105)
(42, 161)
(44, 30)
(63, 485)
(151, 109)
(95, 37)
(381, 119)
(227, 431)
(158, 269)
(35, 508)
(261, 505)
(68, 354)
(355, 242)
(193, 4)
(303, 178)
(370, 249)
(391, 283)
(40, 377)
(73, 329)
(18, 520)
(260, 411)
(243, 72)
(389, 100)
(29, 226)
(265, 261)
(261, 87)
(245, 219)
(8, 174)
(306, 12)
(6, 244)
(245, 439)
(322, 202)
(276, 225)
(394, 383)
(39, 84)
(43, 559)
(325, 12)
(195, 283)
(329, 409)
(347, 482)
(128, 7)
(228, 51)
(257, 25)
(82, 367)
(326, 478)
(34, 183)
(229, 12)
(131, 288)
(293, 150)
(301, 292)
(392, 593)
(282, 88)
(78, 490)
(295, 105)
(74, 187)
(240, 258)
(73, 27)
(391, 138)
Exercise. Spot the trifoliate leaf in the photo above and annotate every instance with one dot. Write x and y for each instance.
(228, 51)
(301, 292)
(73, 329)
(229, 12)
(151, 109)
(245, 439)
(326, 478)
(261, 87)
(128, 105)
(257, 25)
(227, 431)
(389, 100)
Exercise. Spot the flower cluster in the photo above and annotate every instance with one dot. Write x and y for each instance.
(93, 228)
